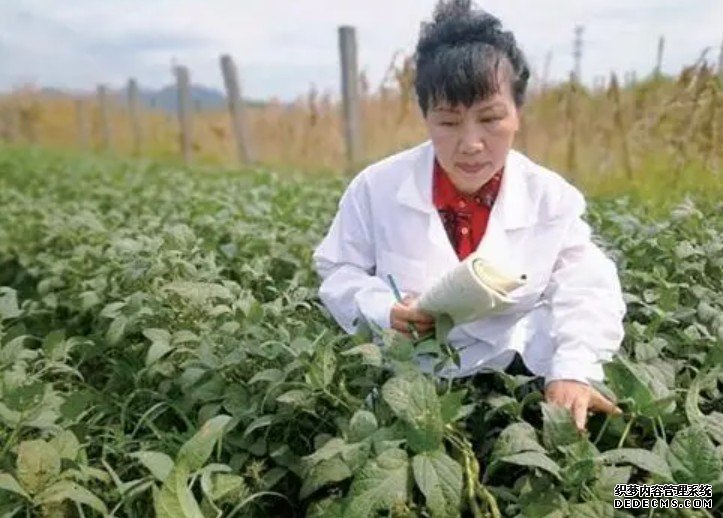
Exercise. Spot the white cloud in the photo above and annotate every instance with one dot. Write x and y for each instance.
(282, 46)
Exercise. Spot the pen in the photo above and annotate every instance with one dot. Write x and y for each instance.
(398, 295)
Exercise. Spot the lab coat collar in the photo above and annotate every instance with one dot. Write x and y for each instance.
(512, 209)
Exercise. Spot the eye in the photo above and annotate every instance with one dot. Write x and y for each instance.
(490, 120)
(448, 124)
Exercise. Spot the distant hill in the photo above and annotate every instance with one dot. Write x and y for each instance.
(166, 98)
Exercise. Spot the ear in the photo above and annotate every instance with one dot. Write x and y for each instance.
(517, 119)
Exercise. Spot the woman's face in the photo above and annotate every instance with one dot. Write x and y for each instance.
(471, 144)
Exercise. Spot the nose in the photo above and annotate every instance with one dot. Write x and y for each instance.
(471, 140)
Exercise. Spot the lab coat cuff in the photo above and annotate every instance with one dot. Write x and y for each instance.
(575, 369)
(376, 307)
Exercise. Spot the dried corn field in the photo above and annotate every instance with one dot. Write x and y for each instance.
(659, 133)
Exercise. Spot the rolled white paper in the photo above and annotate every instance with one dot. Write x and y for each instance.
(470, 291)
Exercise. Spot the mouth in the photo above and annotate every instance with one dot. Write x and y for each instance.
(471, 168)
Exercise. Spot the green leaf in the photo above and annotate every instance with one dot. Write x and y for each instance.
(66, 444)
(260, 422)
(270, 375)
(442, 326)
(388, 437)
(25, 397)
(160, 344)
(356, 454)
(693, 458)
(516, 438)
(331, 448)
(322, 368)
(428, 346)
(451, 405)
(558, 426)
(650, 395)
(157, 335)
(533, 459)
(609, 477)
(184, 336)
(38, 464)
(580, 463)
(302, 345)
(363, 423)
(380, 484)
(273, 477)
(542, 499)
(156, 351)
(8, 483)
(53, 345)
(158, 463)
(8, 303)
(295, 397)
(325, 472)
(397, 346)
(370, 353)
(67, 490)
(640, 458)
(116, 330)
(175, 498)
(713, 423)
(596, 509)
(194, 453)
(331, 507)
(439, 477)
(76, 403)
(415, 401)
(224, 487)
(199, 293)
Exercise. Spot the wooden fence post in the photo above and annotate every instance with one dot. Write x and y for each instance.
(545, 78)
(571, 115)
(659, 60)
(134, 111)
(185, 112)
(577, 54)
(350, 94)
(236, 109)
(104, 118)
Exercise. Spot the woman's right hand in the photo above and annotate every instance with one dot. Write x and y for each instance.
(405, 313)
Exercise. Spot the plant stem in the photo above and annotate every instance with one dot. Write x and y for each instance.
(625, 433)
(602, 430)
(662, 428)
(336, 399)
(11, 440)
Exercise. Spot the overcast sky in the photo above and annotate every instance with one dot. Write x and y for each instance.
(283, 46)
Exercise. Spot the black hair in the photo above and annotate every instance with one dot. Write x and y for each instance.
(459, 55)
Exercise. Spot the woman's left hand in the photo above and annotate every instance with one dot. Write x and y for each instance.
(578, 397)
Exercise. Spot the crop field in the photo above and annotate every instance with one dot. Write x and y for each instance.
(163, 352)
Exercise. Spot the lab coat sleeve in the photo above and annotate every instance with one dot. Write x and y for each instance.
(586, 303)
(345, 261)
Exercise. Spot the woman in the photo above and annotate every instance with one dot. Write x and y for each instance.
(416, 214)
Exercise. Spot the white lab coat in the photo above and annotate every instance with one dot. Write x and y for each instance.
(566, 321)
